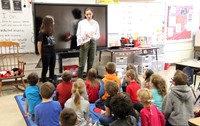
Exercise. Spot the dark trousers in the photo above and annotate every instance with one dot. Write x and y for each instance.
(48, 62)
(87, 52)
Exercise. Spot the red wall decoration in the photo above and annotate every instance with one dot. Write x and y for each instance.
(179, 22)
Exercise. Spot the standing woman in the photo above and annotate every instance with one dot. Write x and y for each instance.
(87, 34)
(46, 47)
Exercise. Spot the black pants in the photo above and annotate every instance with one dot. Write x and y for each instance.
(48, 62)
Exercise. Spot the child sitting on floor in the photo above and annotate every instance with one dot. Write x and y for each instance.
(63, 90)
(32, 95)
(178, 104)
(133, 86)
(150, 115)
(78, 103)
(146, 75)
(121, 106)
(112, 89)
(47, 113)
(92, 85)
(158, 89)
(68, 117)
(124, 82)
(111, 75)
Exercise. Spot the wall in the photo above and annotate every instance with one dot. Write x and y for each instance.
(174, 51)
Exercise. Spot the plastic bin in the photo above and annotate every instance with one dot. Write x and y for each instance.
(73, 69)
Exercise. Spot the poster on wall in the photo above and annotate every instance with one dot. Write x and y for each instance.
(179, 23)
(17, 5)
(5, 4)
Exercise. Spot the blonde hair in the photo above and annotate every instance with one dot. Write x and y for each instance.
(78, 89)
(145, 96)
(92, 77)
(159, 83)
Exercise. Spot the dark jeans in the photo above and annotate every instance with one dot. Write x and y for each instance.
(48, 62)
(87, 52)
(106, 120)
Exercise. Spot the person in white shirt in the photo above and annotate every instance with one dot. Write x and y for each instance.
(87, 34)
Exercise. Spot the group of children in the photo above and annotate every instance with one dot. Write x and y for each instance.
(120, 104)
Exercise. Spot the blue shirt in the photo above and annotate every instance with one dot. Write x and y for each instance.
(157, 98)
(47, 113)
(33, 97)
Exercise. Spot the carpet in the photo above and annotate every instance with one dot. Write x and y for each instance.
(21, 104)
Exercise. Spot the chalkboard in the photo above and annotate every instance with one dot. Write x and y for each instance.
(16, 24)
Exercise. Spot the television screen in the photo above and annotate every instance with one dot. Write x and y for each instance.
(64, 19)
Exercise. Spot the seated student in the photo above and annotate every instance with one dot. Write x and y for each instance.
(47, 113)
(111, 75)
(150, 115)
(63, 90)
(158, 89)
(112, 89)
(68, 117)
(146, 75)
(121, 106)
(92, 85)
(133, 86)
(78, 103)
(124, 82)
(32, 95)
(178, 104)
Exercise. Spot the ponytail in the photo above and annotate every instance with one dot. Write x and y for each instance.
(77, 99)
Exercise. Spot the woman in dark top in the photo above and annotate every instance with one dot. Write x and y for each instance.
(46, 48)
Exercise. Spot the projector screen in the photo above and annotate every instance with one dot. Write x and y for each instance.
(63, 16)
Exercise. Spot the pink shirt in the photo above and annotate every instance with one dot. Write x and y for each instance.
(152, 118)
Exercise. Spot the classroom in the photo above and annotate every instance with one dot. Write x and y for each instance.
(160, 35)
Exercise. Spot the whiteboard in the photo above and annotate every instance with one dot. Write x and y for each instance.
(17, 25)
(133, 17)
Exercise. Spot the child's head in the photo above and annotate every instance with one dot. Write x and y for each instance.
(147, 74)
(110, 67)
(46, 90)
(33, 78)
(145, 96)
(121, 105)
(78, 89)
(68, 117)
(180, 78)
(67, 75)
(92, 74)
(130, 75)
(130, 66)
(111, 87)
(156, 81)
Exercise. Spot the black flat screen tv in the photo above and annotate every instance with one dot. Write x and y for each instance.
(63, 17)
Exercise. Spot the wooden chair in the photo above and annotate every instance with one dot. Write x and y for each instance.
(9, 59)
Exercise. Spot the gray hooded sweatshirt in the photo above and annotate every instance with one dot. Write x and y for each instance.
(178, 105)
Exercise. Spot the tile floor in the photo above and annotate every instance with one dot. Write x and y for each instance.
(11, 115)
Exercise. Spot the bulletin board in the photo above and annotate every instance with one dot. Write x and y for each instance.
(179, 23)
